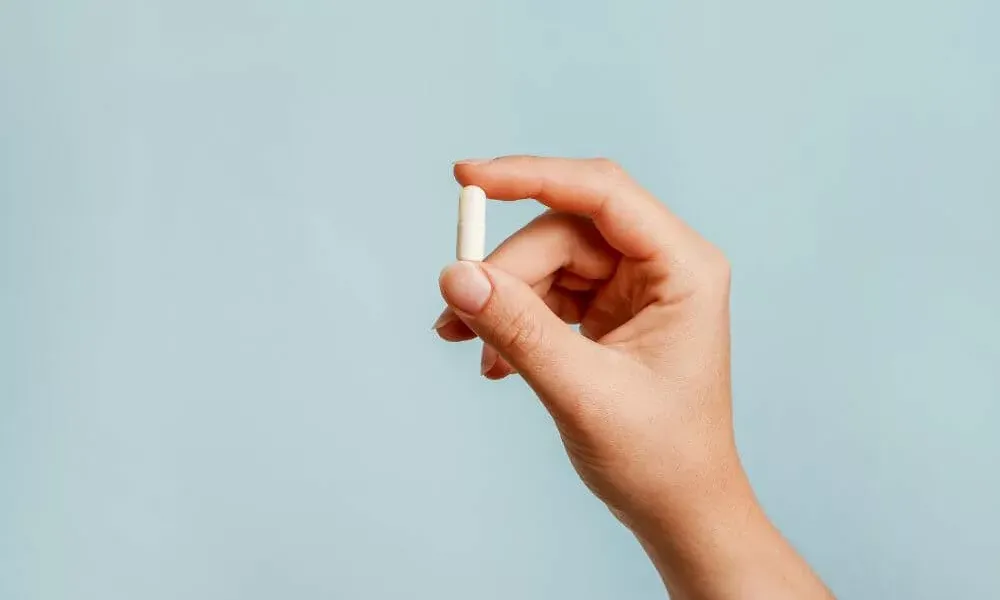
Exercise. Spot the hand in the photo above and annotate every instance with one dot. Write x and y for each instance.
(641, 398)
(641, 395)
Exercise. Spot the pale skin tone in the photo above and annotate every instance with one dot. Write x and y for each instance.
(641, 395)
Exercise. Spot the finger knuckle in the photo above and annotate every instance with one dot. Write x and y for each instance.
(560, 229)
(608, 168)
(716, 270)
(521, 332)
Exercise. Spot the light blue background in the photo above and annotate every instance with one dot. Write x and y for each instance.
(221, 224)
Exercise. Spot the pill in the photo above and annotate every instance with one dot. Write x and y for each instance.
(471, 244)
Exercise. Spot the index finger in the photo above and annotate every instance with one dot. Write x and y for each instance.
(630, 218)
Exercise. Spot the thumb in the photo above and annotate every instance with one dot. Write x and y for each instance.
(507, 314)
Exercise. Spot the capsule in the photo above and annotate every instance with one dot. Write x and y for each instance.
(471, 244)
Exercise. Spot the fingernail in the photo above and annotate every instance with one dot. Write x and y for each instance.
(472, 161)
(488, 359)
(447, 316)
(466, 287)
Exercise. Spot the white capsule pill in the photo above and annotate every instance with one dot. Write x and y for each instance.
(471, 224)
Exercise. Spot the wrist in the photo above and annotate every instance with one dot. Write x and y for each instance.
(715, 501)
(704, 527)
(725, 547)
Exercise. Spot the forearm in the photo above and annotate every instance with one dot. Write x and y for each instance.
(725, 548)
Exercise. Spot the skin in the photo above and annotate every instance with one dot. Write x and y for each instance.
(641, 395)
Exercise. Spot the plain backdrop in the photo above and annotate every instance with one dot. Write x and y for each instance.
(221, 224)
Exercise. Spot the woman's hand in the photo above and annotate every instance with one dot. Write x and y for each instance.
(641, 396)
